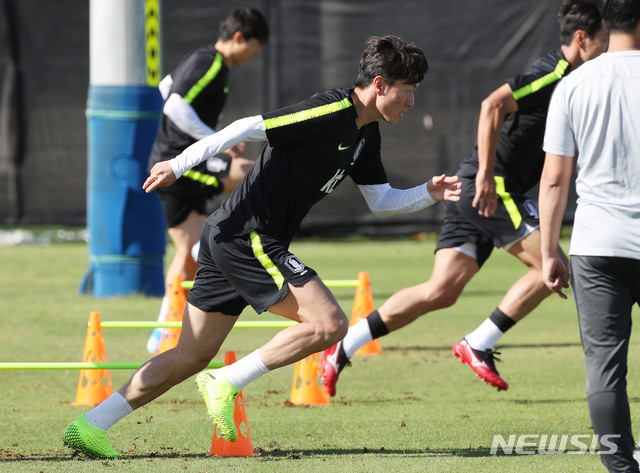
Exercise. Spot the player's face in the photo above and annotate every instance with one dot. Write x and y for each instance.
(395, 100)
(245, 50)
(594, 47)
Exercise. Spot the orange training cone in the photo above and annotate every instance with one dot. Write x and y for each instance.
(362, 307)
(307, 383)
(242, 447)
(94, 386)
(177, 303)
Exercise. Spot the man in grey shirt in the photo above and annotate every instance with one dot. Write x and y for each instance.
(594, 115)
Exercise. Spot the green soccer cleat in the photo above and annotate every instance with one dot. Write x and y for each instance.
(219, 396)
(83, 437)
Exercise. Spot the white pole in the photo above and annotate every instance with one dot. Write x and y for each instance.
(126, 225)
(124, 42)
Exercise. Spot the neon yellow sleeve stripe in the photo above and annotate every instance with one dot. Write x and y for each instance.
(206, 179)
(507, 200)
(265, 261)
(205, 79)
(303, 115)
(543, 81)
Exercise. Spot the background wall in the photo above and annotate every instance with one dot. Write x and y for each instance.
(472, 47)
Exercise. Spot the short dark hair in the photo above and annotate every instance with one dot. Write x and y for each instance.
(392, 58)
(621, 16)
(577, 15)
(249, 21)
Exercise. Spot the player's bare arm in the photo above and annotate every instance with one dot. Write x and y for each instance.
(492, 112)
(552, 199)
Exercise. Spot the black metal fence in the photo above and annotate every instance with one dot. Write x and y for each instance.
(472, 46)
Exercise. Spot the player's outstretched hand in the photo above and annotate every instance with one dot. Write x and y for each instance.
(161, 175)
(444, 187)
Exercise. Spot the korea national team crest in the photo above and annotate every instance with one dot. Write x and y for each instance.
(357, 152)
(295, 265)
(531, 208)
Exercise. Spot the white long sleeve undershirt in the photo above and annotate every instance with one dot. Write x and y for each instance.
(165, 86)
(185, 117)
(384, 200)
(245, 129)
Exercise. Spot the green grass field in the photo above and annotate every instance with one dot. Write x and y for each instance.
(413, 408)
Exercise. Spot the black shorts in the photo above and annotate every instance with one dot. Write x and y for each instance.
(236, 271)
(191, 191)
(515, 216)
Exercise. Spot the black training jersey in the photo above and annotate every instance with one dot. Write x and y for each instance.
(519, 154)
(201, 80)
(312, 147)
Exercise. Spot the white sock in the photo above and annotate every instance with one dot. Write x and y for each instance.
(155, 339)
(485, 336)
(357, 336)
(109, 411)
(164, 309)
(246, 369)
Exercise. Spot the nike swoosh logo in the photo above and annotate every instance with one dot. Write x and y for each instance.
(476, 362)
(333, 359)
(342, 148)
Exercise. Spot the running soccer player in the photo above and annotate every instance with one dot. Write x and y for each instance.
(195, 93)
(244, 257)
(493, 210)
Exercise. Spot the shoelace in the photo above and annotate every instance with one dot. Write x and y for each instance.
(491, 355)
(344, 365)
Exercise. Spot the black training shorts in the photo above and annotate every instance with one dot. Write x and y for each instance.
(236, 271)
(515, 215)
(191, 191)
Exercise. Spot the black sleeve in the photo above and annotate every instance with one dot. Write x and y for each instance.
(189, 72)
(368, 168)
(306, 121)
(533, 89)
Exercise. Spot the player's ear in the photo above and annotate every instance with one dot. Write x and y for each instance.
(378, 84)
(238, 37)
(579, 37)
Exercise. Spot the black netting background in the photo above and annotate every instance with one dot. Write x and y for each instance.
(471, 46)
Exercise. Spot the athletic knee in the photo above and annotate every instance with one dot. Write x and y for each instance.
(330, 333)
(193, 362)
(340, 330)
(537, 282)
(446, 297)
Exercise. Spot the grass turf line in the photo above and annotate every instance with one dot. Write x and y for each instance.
(412, 408)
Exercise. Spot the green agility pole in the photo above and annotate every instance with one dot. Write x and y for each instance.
(82, 365)
(328, 283)
(145, 324)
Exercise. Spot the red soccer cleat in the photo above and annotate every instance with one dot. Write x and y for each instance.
(333, 362)
(482, 362)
